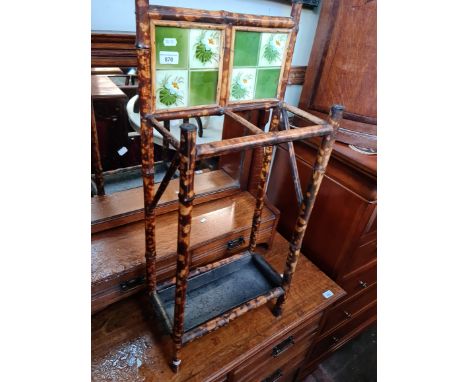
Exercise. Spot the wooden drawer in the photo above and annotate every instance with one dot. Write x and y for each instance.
(282, 351)
(284, 373)
(363, 255)
(339, 336)
(349, 308)
(360, 279)
(219, 228)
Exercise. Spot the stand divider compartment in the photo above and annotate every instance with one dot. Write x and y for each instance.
(205, 299)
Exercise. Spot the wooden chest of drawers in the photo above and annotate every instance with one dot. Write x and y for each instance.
(128, 346)
(220, 228)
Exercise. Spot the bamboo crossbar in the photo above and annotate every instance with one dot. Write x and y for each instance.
(303, 114)
(159, 12)
(209, 111)
(233, 145)
(249, 125)
(165, 133)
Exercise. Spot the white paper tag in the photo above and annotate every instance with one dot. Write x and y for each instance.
(327, 293)
(168, 58)
(202, 220)
(122, 151)
(199, 172)
(170, 41)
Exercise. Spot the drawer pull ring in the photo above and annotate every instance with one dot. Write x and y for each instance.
(282, 346)
(131, 284)
(274, 377)
(363, 284)
(235, 242)
(347, 314)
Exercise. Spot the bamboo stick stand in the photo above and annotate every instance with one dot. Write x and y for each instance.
(188, 152)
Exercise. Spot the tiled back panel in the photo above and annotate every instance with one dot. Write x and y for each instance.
(258, 58)
(187, 64)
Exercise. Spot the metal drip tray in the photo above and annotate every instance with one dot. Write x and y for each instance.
(218, 289)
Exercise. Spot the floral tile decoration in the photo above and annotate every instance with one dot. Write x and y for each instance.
(243, 84)
(171, 88)
(187, 64)
(258, 58)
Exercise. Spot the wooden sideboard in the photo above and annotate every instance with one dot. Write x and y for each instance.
(127, 344)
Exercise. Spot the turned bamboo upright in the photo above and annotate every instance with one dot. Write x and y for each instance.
(187, 152)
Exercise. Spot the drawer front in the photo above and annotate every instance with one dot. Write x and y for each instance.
(338, 337)
(284, 373)
(364, 254)
(104, 294)
(289, 346)
(360, 280)
(349, 308)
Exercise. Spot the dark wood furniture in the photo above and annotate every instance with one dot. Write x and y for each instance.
(126, 345)
(110, 120)
(341, 238)
(343, 68)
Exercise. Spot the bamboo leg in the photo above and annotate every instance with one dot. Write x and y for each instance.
(96, 157)
(323, 156)
(262, 183)
(260, 202)
(186, 195)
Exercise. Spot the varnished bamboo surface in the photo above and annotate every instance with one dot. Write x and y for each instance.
(120, 249)
(127, 346)
(218, 17)
(228, 146)
(130, 201)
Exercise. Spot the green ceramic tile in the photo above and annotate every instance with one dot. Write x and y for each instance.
(272, 49)
(172, 45)
(204, 48)
(246, 48)
(267, 83)
(242, 84)
(203, 85)
(171, 88)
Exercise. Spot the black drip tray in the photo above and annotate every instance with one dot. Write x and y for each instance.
(220, 289)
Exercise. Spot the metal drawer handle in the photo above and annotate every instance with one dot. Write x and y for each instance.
(362, 284)
(132, 284)
(274, 377)
(235, 243)
(282, 346)
(348, 315)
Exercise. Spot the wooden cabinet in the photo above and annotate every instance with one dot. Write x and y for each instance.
(128, 345)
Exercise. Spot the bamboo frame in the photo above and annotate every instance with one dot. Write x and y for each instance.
(188, 152)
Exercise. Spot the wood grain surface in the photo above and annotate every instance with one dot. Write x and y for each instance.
(127, 344)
